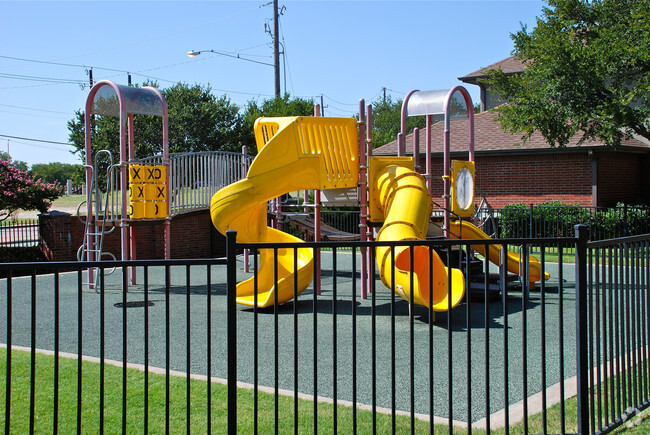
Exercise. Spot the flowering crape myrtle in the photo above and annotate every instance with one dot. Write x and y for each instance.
(19, 190)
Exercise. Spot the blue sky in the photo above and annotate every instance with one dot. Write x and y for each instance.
(342, 50)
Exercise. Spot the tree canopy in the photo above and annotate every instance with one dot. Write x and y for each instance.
(280, 106)
(587, 65)
(57, 172)
(198, 121)
(386, 121)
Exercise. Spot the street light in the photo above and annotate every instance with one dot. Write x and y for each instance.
(194, 53)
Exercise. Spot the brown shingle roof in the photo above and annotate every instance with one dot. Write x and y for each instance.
(488, 137)
(509, 65)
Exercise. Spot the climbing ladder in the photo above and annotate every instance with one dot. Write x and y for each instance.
(96, 217)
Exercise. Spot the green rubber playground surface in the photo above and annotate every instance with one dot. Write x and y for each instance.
(461, 362)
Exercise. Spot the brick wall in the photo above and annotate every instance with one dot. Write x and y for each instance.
(192, 236)
(622, 177)
(528, 178)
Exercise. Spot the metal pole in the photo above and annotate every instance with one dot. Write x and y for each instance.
(132, 231)
(231, 325)
(416, 149)
(401, 140)
(428, 151)
(317, 223)
(363, 186)
(276, 49)
(244, 152)
(530, 222)
(369, 266)
(582, 361)
(446, 161)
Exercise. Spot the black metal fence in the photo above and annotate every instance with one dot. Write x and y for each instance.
(19, 234)
(177, 354)
(559, 220)
(532, 221)
(616, 314)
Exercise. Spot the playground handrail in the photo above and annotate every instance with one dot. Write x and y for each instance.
(195, 177)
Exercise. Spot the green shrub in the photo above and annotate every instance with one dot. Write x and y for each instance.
(557, 219)
(20, 255)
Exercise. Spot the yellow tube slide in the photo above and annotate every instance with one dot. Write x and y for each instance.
(293, 154)
(467, 230)
(406, 203)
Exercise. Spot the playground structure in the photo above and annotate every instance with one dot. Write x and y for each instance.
(299, 153)
(320, 154)
(153, 188)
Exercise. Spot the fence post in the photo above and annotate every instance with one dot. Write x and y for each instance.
(231, 328)
(582, 357)
(530, 221)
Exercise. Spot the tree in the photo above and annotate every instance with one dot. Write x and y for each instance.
(19, 190)
(386, 121)
(198, 121)
(17, 163)
(279, 106)
(587, 65)
(57, 171)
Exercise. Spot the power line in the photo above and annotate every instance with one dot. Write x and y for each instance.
(339, 102)
(33, 108)
(39, 79)
(33, 114)
(36, 140)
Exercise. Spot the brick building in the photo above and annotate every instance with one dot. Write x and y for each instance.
(507, 172)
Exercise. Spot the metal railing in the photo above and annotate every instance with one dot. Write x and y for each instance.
(193, 177)
(329, 362)
(346, 221)
(19, 234)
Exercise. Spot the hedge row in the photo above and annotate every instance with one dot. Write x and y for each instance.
(557, 219)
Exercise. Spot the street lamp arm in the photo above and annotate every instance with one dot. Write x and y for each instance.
(194, 53)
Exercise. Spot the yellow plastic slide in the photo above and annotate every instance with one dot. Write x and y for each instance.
(467, 230)
(294, 153)
(406, 204)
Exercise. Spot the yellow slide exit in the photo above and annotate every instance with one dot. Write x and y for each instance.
(467, 230)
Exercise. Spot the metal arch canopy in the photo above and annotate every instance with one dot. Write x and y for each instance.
(434, 102)
(139, 101)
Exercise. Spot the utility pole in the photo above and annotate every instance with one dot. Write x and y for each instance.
(276, 48)
(384, 89)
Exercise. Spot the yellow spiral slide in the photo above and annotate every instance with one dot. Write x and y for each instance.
(297, 153)
(401, 196)
(294, 153)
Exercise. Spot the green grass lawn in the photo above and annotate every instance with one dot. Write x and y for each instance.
(44, 406)
(68, 201)
(135, 409)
